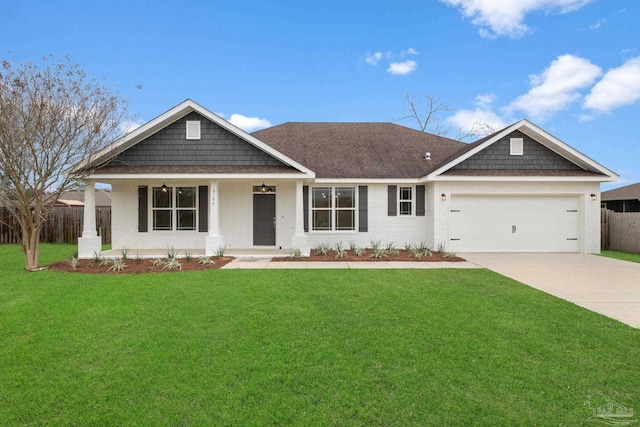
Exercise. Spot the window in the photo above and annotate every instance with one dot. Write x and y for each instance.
(186, 208)
(516, 148)
(193, 129)
(333, 208)
(174, 206)
(162, 204)
(405, 200)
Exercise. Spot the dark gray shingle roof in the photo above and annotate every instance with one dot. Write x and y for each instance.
(360, 150)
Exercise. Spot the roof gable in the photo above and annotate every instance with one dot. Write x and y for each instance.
(535, 156)
(162, 142)
(544, 155)
(216, 147)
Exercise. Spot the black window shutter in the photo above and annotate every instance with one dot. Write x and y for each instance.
(203, 208)
(392, 200)
(143, 226)
(420, 201)
(305, 207)
(363, 214)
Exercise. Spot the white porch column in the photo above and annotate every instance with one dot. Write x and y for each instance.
(90, 242)
(214, 240)
(299, 240)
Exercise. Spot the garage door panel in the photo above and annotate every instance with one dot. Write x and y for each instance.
(508, 223)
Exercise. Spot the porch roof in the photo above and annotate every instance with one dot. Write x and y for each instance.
(202, 169)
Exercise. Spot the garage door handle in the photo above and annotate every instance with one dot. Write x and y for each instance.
(513, 229)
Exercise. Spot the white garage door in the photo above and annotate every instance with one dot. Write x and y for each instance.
(512, 223)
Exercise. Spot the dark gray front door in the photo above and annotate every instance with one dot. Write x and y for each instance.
(264, 219)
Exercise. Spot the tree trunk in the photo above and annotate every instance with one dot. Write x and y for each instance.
(31, 247)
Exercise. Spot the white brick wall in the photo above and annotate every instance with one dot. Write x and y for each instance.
(591, 209)
(236, 215)
(124, 223)
(387, 229)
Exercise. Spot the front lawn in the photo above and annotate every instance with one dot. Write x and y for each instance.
(300, 347)
(625, 256)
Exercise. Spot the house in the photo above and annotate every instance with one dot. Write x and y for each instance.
(76, 198)
(191, 180)
(623, 199)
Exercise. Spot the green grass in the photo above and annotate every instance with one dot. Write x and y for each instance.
(625, 256)
(300, 347)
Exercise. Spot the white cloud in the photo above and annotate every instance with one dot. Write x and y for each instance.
(619, 86)
(599, 23)
(410, 51)
(556, 87)
(397, 64)
(249, 124)
(505, 17)
(479, 121)
(129, 126)
(373, 58)
(402, 68)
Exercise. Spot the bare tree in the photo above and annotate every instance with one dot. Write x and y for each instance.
(427, 116)
(52, 116)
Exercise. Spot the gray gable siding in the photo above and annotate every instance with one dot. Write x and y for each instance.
(217, 147)
(535, 156)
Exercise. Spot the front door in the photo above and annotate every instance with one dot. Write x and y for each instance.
(264, 219)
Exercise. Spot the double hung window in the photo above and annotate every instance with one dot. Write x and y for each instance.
(333, 208)
(174, 208)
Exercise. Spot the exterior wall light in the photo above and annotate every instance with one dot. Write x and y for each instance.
(164, 188)
(443, 197)
(593, 197)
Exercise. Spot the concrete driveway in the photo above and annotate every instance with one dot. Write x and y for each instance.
(604, 285)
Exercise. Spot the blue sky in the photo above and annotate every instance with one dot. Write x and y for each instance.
(570, 66)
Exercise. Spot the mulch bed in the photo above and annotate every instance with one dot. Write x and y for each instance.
(402, 256)
(136, 266)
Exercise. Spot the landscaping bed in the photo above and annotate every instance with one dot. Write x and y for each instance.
(368, 255)
(138, 266)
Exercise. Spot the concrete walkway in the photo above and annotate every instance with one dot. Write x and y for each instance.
(604, 285)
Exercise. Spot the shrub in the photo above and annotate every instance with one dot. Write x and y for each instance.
(295, 253)
(73, 262)
(391, 250)
(172, 264)
(376, 250)
(118, 265)
(171, 253)
(321, 249)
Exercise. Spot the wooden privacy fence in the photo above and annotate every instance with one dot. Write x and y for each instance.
(620, 231)
(64, 225)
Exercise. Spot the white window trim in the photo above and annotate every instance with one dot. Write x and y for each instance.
(516, 146)
(333, 210)
(174, 210)
(412, 200)
(193, 129)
